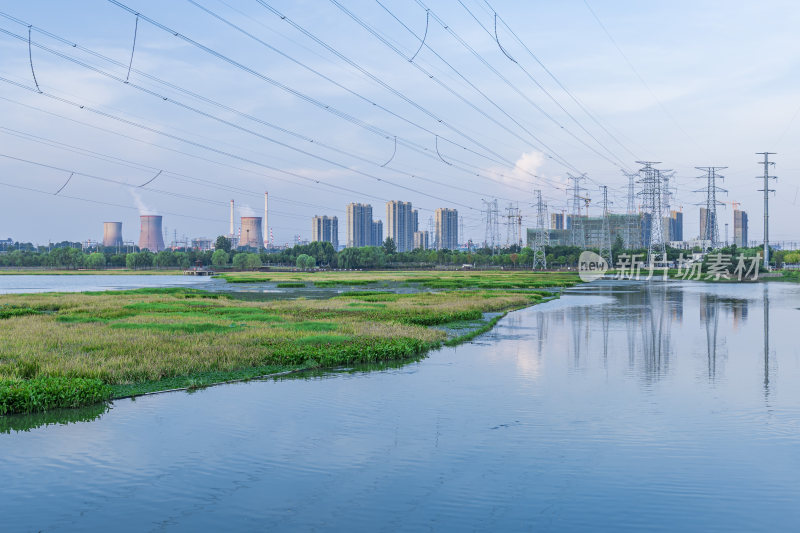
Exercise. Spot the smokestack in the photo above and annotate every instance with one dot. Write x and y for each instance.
(112, 234)
(151, 238)
(266, 219)
(251, 235)
(230, 234)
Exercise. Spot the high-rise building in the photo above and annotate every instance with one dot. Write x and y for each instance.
(415, 220)
(325, 229)
(557, 221)
(703, 217)
(400, 224)
(739, 228)
(675, 225)
(359, 225)
(446, 229)
(376, 238)
(421, 240)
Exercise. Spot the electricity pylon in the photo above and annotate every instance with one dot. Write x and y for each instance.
(766, 190)
(653, 200)
(605, 232)
(711, 227)
(541, 237)
(631, 227)
(577, 235)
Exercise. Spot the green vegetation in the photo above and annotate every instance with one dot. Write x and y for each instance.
(73, 349)
(45, 393)
(439, 280)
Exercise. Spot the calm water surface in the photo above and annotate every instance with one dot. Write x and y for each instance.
(617, 407)
(26, 283)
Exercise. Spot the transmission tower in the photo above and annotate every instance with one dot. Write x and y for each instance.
(653, 200)
(711, 226)
(766, 190)
(577, 235)
(631, 225)
(605, 232)
(492, 218)
(513, 226)
(542, 236)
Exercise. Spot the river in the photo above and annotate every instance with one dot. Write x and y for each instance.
(619, 407)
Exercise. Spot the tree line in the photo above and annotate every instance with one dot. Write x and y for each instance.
(315, 254)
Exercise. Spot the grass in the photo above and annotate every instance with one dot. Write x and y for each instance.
(72, 349)
(442, 280)
(46, 393)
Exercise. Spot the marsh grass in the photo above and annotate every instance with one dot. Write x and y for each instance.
(155, 339)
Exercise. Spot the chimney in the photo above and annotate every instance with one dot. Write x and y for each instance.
(230, 233)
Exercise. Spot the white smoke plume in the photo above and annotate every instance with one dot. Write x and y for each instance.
(247, 211)
(140, 205)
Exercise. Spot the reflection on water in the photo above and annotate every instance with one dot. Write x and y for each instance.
(621, 406)
(17, 423)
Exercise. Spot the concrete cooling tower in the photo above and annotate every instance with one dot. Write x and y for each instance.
(112, 234)
(151, 236)
(251, 234)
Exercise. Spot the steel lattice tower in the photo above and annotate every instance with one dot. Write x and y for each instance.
(711, 227)
(513, 226)
(541, 237)
(766, 190)
(577, 235)
(652, 196)
(492, 235)
(631, 227)
(605, 232)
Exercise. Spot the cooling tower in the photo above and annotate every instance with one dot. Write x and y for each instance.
(251, 234)
(112, 234)
(151, 236)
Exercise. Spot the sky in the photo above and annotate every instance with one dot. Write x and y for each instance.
(327, 102)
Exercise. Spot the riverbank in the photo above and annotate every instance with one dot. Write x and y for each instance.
(126, 343)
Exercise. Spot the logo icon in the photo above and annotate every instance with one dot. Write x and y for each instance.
(591, 266)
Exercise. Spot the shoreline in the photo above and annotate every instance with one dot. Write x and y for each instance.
(100, 338)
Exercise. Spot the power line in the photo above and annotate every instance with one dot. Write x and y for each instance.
(555, 79)
(636, 72)
(452, 32)
(552, 155)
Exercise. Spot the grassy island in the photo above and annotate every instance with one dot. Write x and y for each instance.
(73, 349)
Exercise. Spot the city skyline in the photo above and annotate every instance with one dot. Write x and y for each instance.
(126, 170)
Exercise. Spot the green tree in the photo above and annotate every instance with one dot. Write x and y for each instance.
(305, 261)
(223, 243)
(165, 259)
(389, 246)
(95, 260)
(220, 257)
(253, 261)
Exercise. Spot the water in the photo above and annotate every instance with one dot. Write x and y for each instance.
(27, 283)
(617, 407)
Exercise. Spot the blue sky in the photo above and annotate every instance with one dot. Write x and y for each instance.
(714, 82)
